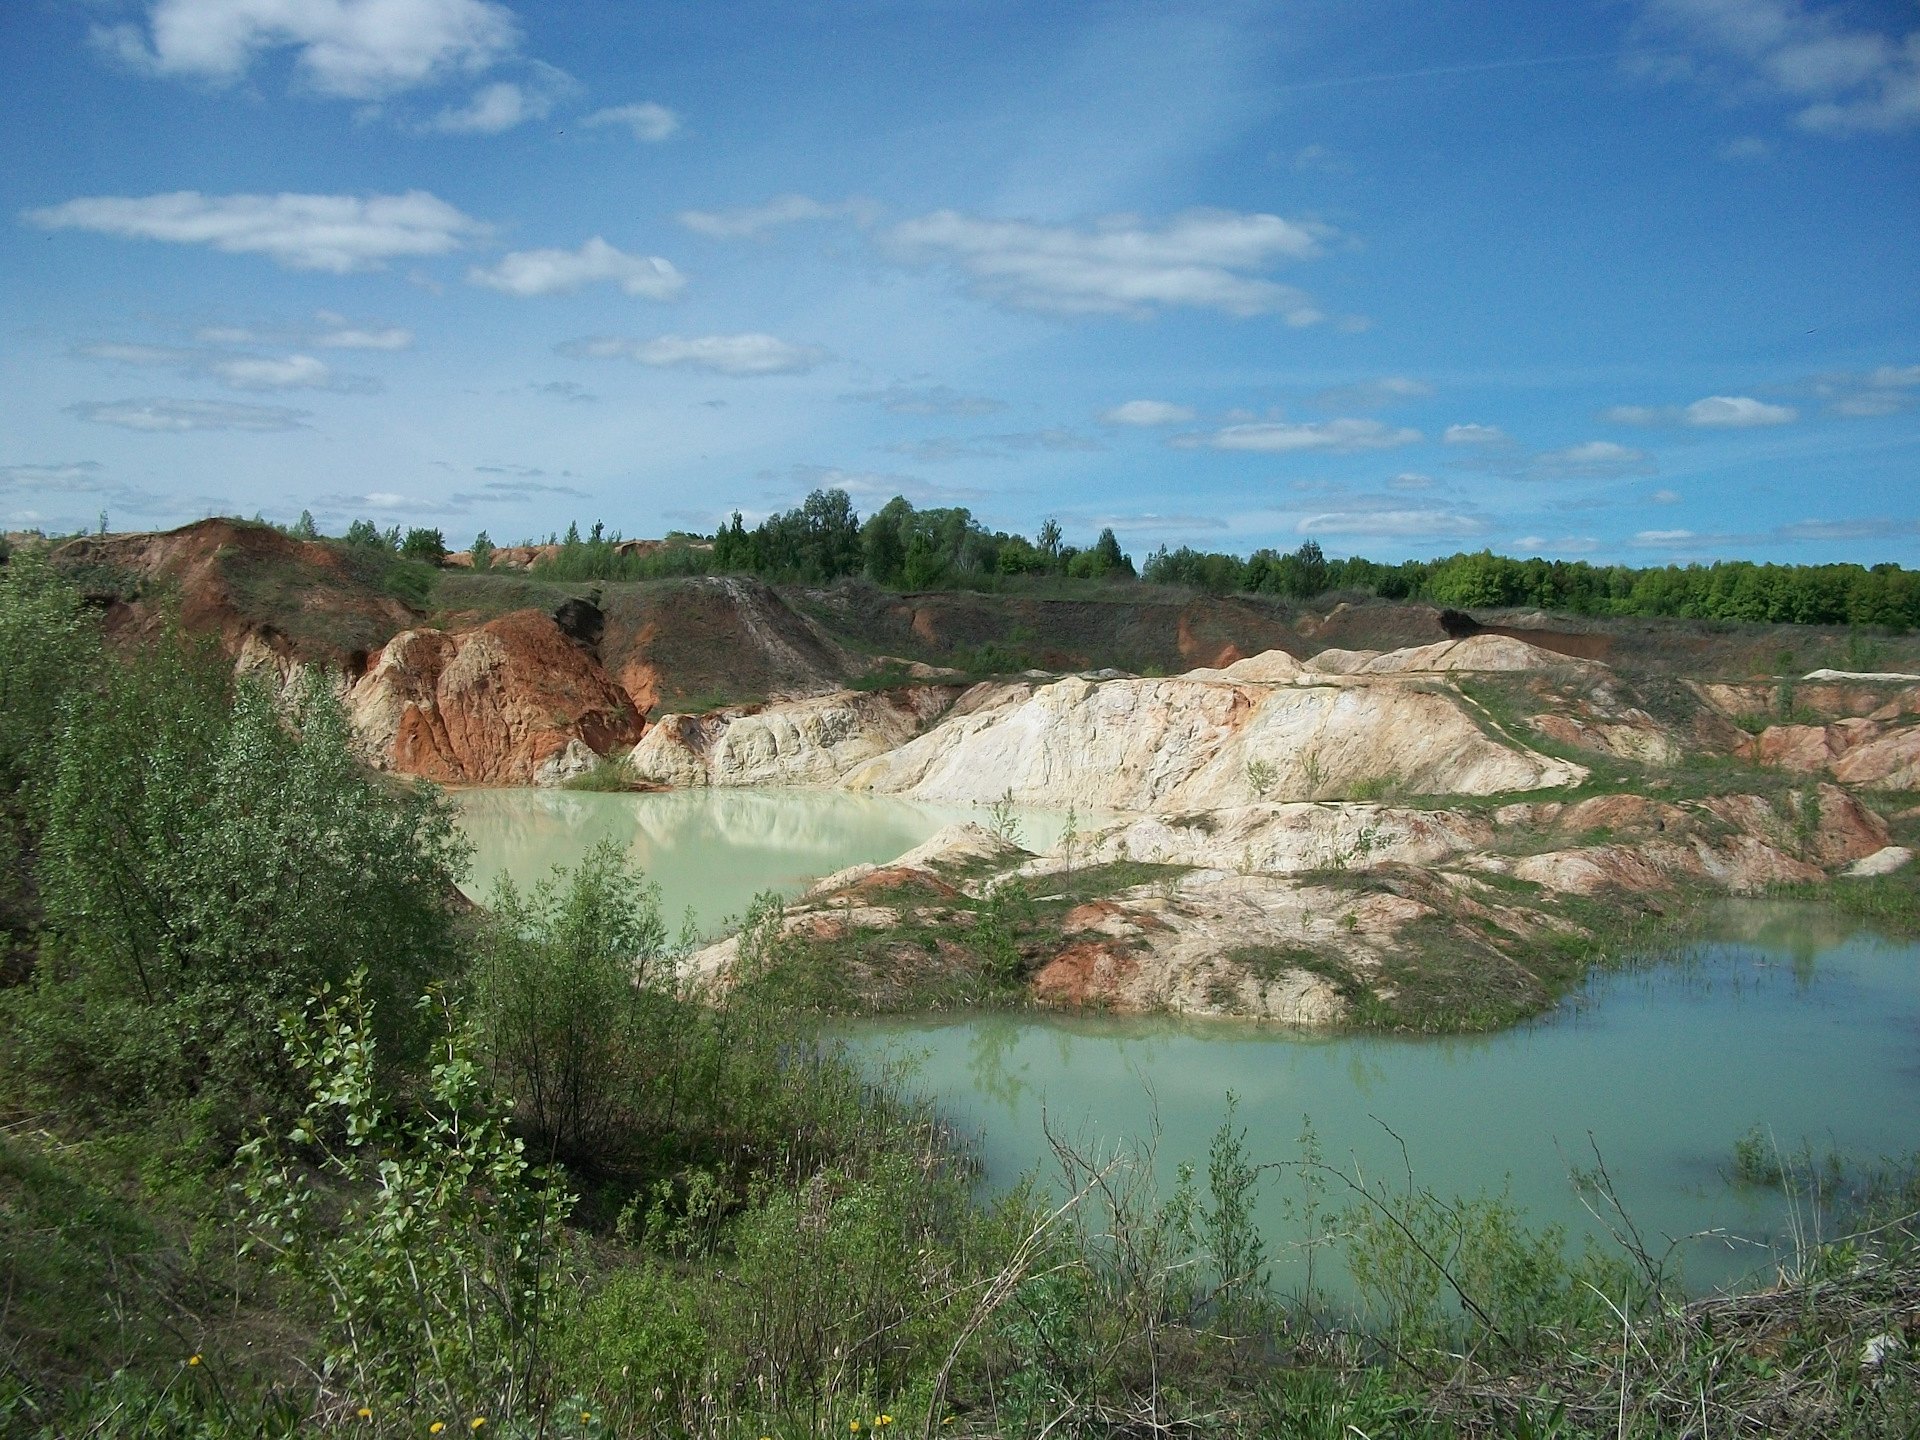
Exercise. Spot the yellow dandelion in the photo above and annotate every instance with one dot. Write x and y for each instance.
(436, 1427)
(365, 1412)
(886, 1419)
(853, 1425)
(476, 1422)
(193, 1359)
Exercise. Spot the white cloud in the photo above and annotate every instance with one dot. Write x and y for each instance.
(1393, 524)
(1205, 259)
(1410, 480)
(262, 372)
(177, 416)
(493, 109)
(1278, 438)
(556, 272)
(879, 486)
(1843, 77)
(1474, 435)
(737, 355)
(353, 49)
(1746, 147)
(1147, 412)
(1665, 497)
(649, 122)
(336, 233)
(1715, 412)
(753, 220)
(993, 447)
(1565, 545)
(81, 475)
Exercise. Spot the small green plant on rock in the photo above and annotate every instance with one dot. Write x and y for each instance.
(1261, 777)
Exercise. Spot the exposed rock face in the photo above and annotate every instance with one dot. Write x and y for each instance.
(258, 590)
(514, 702)
(1283, 839)
(800, 742)
(1477, 652)
(1857, 751)
(1203, 743)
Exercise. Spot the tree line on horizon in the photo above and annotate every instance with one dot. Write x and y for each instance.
(824, 539)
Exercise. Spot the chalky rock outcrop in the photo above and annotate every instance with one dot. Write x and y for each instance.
(1205, 741)
(511, 702)
(799, 742)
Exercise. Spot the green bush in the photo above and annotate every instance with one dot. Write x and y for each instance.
(568, 975)
(209, 861)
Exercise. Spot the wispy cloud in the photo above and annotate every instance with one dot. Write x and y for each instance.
(352, 49)
(1841, 75)
(1205, 260)
(748, 221)
(336, 233)
(504, 104)
(1887, 390)
(993, 447)
(234, 369)
(1588, 460)
(172, 417)
(878, 487)
(1471, 434)
(927, 400)
(1394, 523)
(1147, 413)
(1283, 438)
(558, 272)
(1380, 394)
(1715, 412)
(736, 355)
(647, 121)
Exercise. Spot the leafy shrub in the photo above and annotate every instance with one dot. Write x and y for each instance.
(566, 976)
(439, 1273)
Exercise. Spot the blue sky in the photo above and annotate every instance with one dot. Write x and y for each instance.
(1631, 280)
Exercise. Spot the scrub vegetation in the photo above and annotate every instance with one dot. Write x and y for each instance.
(294, 1140)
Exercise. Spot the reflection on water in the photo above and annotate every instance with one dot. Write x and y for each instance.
(1784, 1020)
(710, 851)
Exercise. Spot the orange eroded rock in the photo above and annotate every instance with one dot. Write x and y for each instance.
(1092, 972)
(491, 705)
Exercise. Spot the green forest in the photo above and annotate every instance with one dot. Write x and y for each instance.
(824, 539)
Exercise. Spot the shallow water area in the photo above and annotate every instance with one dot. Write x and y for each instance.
(1783, 1018)
(709, 850)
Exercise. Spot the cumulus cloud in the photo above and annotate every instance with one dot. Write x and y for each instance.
(1147, 412)
(352, 49)
(1715, 412)
(748, 221)
(649, 122)
(558, 272)
(169, 417)
(927, 400)
(1205, 259)
(1373, 394)
(335, 233)
(1280, 438)
(1842, 76)
(736, 355)
(1474, 435)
